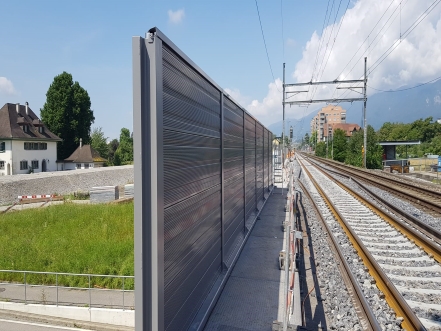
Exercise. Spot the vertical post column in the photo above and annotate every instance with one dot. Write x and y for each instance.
(244, 173)
(149, 190)
(255, 162)
(224, 265)
(283, 133)
(364, 114)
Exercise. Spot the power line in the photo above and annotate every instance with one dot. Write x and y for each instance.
(367, 38)
(406, 89)
(405, 34)
(329, 38)
(283, 37)
(266, 49)
(321, 39)
(335, 38)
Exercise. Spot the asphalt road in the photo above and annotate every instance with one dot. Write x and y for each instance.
(13, 325)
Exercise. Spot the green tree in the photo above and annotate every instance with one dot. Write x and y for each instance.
(112, 147)
(124, 153)
(374, 151)
(321, 149)
(313, 139)
(67, 113)
(99, 142)
(339, 145)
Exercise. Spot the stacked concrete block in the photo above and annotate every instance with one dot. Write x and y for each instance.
(102, 194)
(129, 191)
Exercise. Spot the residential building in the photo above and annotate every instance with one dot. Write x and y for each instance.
(348, 128)
(26, 144)
(328, 115)
(84, 157)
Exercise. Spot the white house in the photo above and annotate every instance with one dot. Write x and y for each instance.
(84, 157)
(26, 144)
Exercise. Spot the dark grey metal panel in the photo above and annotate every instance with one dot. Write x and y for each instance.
(192, 216)
(196, 164)
(259, 162)
(233, 175)
(265, 160)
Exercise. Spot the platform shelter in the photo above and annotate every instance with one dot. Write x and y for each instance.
(390, 162)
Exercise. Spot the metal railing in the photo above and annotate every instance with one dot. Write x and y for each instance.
(86, 294)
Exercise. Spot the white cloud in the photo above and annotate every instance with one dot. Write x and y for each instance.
(416, 59)
(267, 111)
(176, 17)
(437, 99)
(6, 86)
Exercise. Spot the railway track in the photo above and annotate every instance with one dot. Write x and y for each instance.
(404, 267)
(423, 196)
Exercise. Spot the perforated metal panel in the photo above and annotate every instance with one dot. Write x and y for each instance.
(204, 171)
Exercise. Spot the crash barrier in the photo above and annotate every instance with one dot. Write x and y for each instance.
(203, 170)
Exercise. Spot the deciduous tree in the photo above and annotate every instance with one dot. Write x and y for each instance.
(99, 142)
(67, 113)
(339, 145)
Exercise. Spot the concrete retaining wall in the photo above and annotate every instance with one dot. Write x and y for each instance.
(97, 315)
(62, 182)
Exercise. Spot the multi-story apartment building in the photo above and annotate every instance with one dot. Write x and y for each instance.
(323, 122)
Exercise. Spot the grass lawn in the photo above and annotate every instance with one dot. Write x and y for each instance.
(71, 238)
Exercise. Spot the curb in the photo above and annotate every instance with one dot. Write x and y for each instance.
(28, 317)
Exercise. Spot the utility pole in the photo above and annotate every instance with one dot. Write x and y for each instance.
(283, 134)
(338, 100)
(364, 113)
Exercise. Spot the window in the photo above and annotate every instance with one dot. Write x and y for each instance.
(35, 146)
(78, 165)
(2, 147)
(2, 165)
(41, 129)
(35, 164)
(25, 128)
(86, 165)
(23, 165)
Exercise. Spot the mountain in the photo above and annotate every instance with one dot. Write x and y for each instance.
(403, 106)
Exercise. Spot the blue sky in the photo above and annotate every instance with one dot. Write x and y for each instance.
(92, 41)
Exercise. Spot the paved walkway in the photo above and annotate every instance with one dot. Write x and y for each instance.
(253, 296)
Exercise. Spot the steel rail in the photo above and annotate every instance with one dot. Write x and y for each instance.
(429, 246)
(429, 231)
(364, 311)
(392, 295)
(400, 186)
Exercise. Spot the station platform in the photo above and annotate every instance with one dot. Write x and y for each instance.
(253, 297)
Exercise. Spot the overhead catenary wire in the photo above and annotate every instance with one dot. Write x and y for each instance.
(336, 35)
(408, 88)
(283, 37)
(266, 49)
(405, 34)
(420, 18)
(366, 39)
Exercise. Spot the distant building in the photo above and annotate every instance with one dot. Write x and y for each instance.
(26, 144)
(84, 157)
(348, 128)
(328, 115)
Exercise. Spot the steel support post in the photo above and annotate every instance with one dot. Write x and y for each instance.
(283, 134)
(364, 114)
(222, 179)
